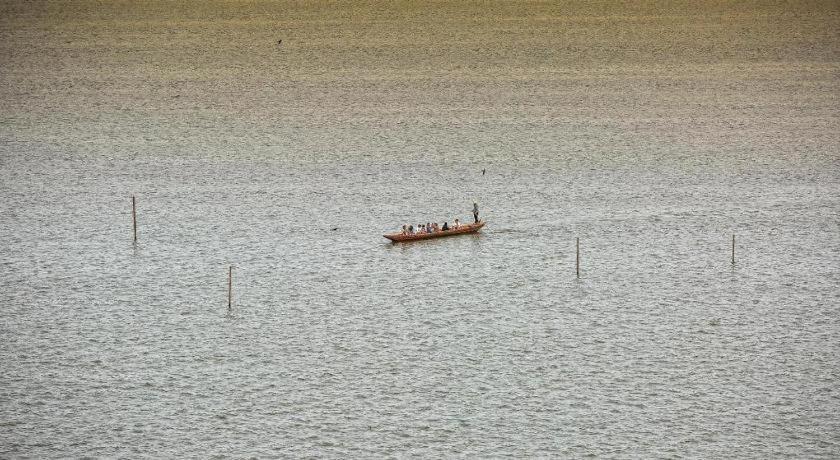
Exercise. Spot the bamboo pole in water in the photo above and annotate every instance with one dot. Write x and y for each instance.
(577, 257)
(230, 285)
(134, 216)
(733, 249)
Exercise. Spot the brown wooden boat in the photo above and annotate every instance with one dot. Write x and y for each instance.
(463, 229)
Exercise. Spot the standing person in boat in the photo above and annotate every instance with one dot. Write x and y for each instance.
(457, 223)
(475, 212)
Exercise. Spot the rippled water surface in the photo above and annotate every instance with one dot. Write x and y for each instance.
(651, 134)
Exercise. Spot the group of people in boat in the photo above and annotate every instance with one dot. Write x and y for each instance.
(429, 227)
(434, 227)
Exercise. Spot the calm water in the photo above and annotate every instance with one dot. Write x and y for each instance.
(652, 135)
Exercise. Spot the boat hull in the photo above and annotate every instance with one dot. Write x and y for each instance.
(462, 230)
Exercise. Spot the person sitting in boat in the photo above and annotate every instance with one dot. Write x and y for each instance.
(428, 227)
(410, 229)
(445, 226)
(405, 229)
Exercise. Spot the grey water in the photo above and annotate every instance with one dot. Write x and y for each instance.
(651, 131)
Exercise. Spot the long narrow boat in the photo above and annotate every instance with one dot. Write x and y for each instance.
(463, 229)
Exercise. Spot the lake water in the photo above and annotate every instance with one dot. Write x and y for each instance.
(651, 134)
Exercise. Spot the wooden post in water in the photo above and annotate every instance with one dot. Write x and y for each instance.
(230, 285)
(733, 249)
(134, 216)
(577, 257)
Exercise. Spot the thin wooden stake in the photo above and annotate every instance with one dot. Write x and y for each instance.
(134, 216)
(230, 285)
(577, 257)
(733, 249)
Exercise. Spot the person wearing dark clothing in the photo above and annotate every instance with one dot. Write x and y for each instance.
(445, 226)
(475, 212)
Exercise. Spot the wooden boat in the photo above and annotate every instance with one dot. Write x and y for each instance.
(462, 230)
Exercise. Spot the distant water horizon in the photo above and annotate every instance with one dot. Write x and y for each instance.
(283, 139)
